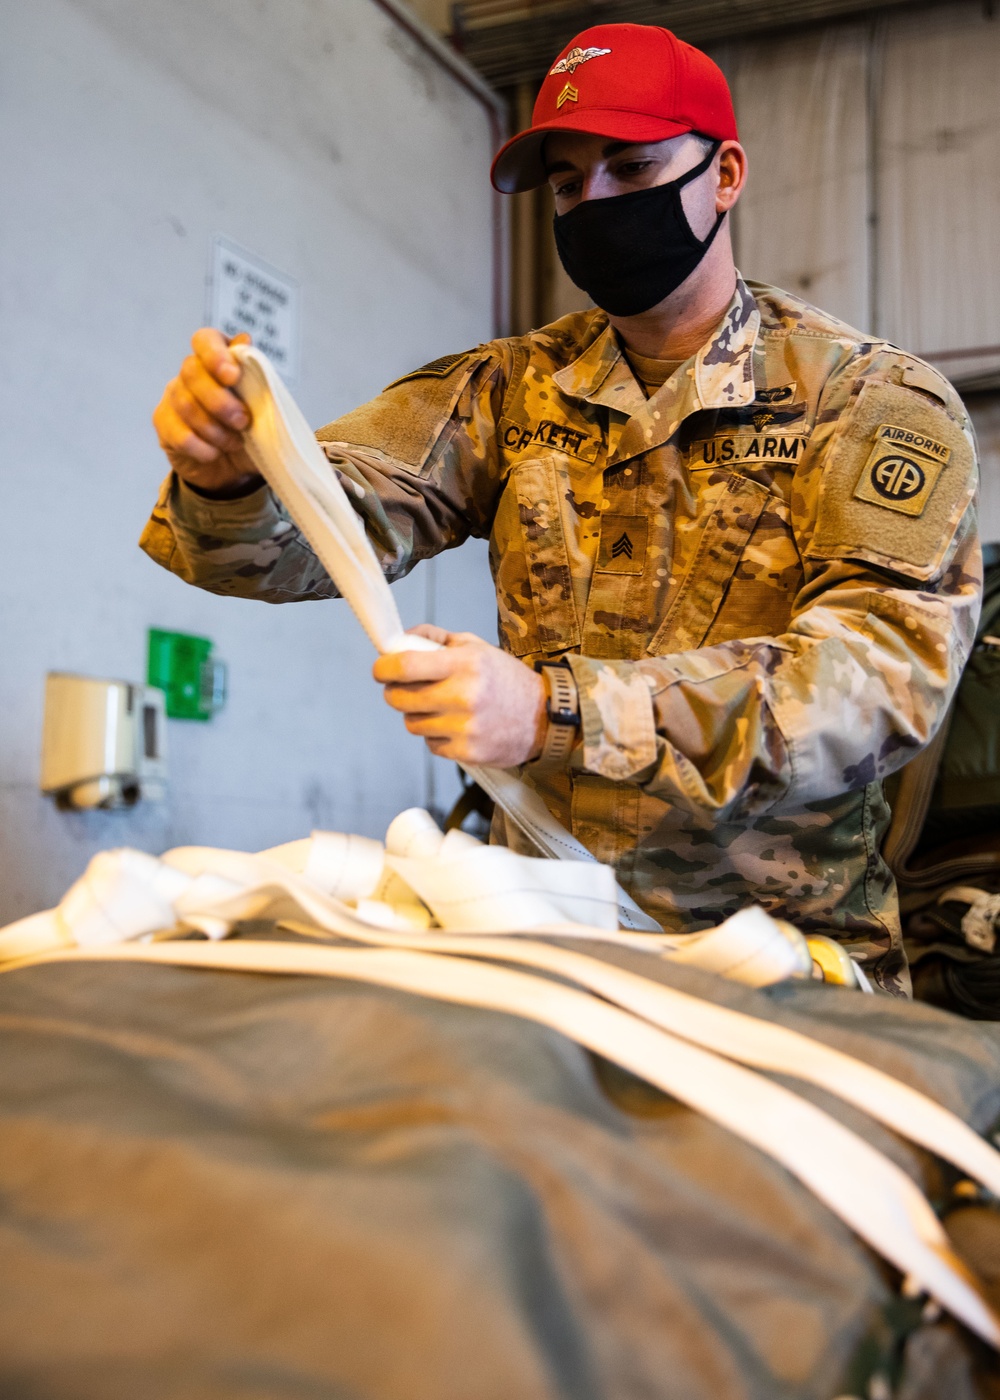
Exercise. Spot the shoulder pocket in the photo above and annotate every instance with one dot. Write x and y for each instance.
(899, 475)
(408, 419)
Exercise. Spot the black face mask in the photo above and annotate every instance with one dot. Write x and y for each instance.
(630, 251)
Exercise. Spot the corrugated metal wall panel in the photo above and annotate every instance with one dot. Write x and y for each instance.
(938, 182)
(900, 120)
(802, 223)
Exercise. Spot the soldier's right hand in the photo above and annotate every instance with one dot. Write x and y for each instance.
(200, 421)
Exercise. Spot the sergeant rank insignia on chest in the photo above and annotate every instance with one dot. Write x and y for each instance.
(902, 471)
(623, 544)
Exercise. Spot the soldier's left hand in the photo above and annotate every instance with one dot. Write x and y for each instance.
(470, 701)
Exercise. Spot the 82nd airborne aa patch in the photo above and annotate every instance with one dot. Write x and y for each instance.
(902, 471)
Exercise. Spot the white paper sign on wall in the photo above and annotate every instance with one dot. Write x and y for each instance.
(247, 294)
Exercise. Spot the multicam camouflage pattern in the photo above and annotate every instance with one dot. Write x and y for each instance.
(758, 639)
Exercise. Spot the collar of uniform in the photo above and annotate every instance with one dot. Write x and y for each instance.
(723, 367)
(602, 375)
(723, 373)
(720, 375)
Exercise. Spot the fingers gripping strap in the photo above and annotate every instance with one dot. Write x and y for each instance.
(286, 454)
(890, 1214)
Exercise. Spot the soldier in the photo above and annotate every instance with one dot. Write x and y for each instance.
(733, 539)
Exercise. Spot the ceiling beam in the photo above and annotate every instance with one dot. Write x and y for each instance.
(514, 41)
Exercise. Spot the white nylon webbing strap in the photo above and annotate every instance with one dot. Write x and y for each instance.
(287, 455)
(862, 1186)
(747, 1039)
(128, 894)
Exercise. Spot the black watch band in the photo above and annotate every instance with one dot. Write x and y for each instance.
(562, 708)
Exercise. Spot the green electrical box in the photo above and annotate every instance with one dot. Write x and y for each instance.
(183, 667)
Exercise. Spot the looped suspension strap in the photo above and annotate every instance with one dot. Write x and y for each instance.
(286, 454)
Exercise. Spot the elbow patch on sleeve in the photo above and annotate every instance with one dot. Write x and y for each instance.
(409, 418)
(899, 476)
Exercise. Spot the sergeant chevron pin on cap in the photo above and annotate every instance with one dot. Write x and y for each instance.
(628, 82)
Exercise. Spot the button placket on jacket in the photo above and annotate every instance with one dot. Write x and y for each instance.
(625, 604)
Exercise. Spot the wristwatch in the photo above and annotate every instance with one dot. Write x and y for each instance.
(562, 708)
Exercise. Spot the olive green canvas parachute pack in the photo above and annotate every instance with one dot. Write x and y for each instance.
(220, 1185)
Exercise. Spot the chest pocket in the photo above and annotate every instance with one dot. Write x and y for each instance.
(709, 565)
(534, 583)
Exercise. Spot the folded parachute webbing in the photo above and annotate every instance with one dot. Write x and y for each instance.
(308, 885)
(861, 1185)
(287, 455)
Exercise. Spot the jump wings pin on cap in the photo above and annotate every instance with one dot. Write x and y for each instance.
(628, 82)
(574, 58)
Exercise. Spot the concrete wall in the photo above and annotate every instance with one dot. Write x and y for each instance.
(319, 135)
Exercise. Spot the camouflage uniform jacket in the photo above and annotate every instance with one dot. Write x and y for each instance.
(766, 578)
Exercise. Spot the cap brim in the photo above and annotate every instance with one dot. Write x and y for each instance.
(518, 165)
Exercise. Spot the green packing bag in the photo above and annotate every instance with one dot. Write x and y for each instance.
(943, 844)
(966, 791)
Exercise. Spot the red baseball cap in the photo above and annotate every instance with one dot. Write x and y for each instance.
(629, 82)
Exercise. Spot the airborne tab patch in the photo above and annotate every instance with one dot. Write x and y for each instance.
(906, 438)
(902, 470)
(623, 544)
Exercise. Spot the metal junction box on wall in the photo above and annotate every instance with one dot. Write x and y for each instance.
(103, 742)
